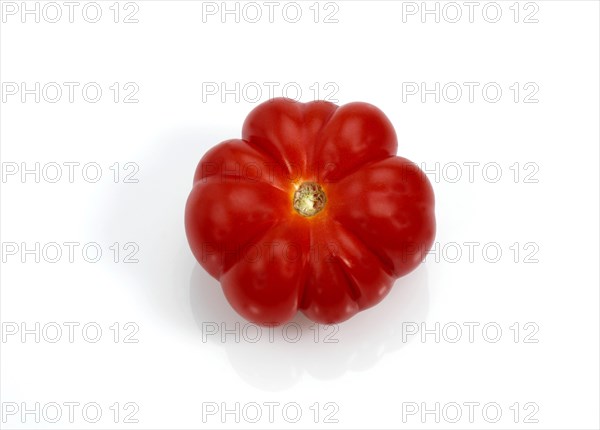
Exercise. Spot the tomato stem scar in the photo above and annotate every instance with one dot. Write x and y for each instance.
(309, 199)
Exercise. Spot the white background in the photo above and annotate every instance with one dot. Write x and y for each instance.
(366, 371)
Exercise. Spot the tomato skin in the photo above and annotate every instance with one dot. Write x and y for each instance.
(377, 224)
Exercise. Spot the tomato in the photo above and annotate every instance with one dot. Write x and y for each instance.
(311, 210)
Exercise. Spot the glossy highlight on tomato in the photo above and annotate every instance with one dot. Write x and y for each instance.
(311, 210)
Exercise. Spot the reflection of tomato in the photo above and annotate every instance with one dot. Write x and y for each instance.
(311, 210)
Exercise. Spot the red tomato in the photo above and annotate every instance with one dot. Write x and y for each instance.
(311, 210)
